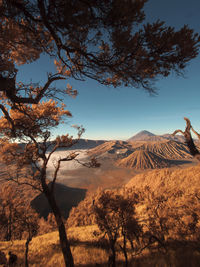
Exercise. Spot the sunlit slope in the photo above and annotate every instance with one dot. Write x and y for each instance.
(143, 159)
(111, 147)
(167, 149)
(187, 179)
(142, 155)
(45, 250)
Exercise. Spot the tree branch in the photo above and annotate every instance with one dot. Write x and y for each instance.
(188, 139)
(70, 157)
(11, 91)
(7, 116)
(93, 163)
(41, 93)
(197, 134)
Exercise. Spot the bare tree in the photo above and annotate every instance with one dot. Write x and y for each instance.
(189, 140)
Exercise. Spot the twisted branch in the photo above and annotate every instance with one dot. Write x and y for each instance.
(188, 139)
(7, 85)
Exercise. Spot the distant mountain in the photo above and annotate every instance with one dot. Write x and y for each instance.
(177, 137)
(148, 136)
(155, 138)
(81, 144)
(144, 154)
(141, 136)
(122, 148)
(87, 144)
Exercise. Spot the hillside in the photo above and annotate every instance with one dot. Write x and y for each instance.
(142, 155)
(45, 250)
(177, 137)
(167, 179)
(167, 149)
(143, 159)
(180, 185)
(112, 147)
(168, 206)
(87, 144)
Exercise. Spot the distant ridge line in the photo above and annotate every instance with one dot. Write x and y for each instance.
(148, 136)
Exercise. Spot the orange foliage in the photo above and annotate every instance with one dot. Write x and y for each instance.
(18, 219)
(19, 45)
(33, 119)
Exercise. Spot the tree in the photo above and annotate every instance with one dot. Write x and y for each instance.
(189, 140)
(114, 215)
(101, 40)
(12, 211)
(31, 226)
(18, 220)
(28, 164)
(169, 218)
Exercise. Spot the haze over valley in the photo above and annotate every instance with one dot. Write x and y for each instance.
(120, 160)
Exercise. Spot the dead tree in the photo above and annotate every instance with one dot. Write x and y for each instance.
(189, 140)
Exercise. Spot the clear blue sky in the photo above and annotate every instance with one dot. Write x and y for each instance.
(108, 113)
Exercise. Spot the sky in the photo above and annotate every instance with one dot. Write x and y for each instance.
(118, 113)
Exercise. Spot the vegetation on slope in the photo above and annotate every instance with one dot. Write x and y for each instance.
(87, 252)
(167, 179)
(167, 208)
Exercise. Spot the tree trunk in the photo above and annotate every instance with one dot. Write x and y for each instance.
(26, 251)
(9, 227)
(64, 243)
(125, 250)
(112, 257)
(189, 140)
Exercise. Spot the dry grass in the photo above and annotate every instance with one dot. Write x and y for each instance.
(169, 179)
(45, 251)
(41, 248)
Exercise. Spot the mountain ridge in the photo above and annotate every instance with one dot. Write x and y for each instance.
(143, 159)
(143, 154)
(145, 135)
(142, 135)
